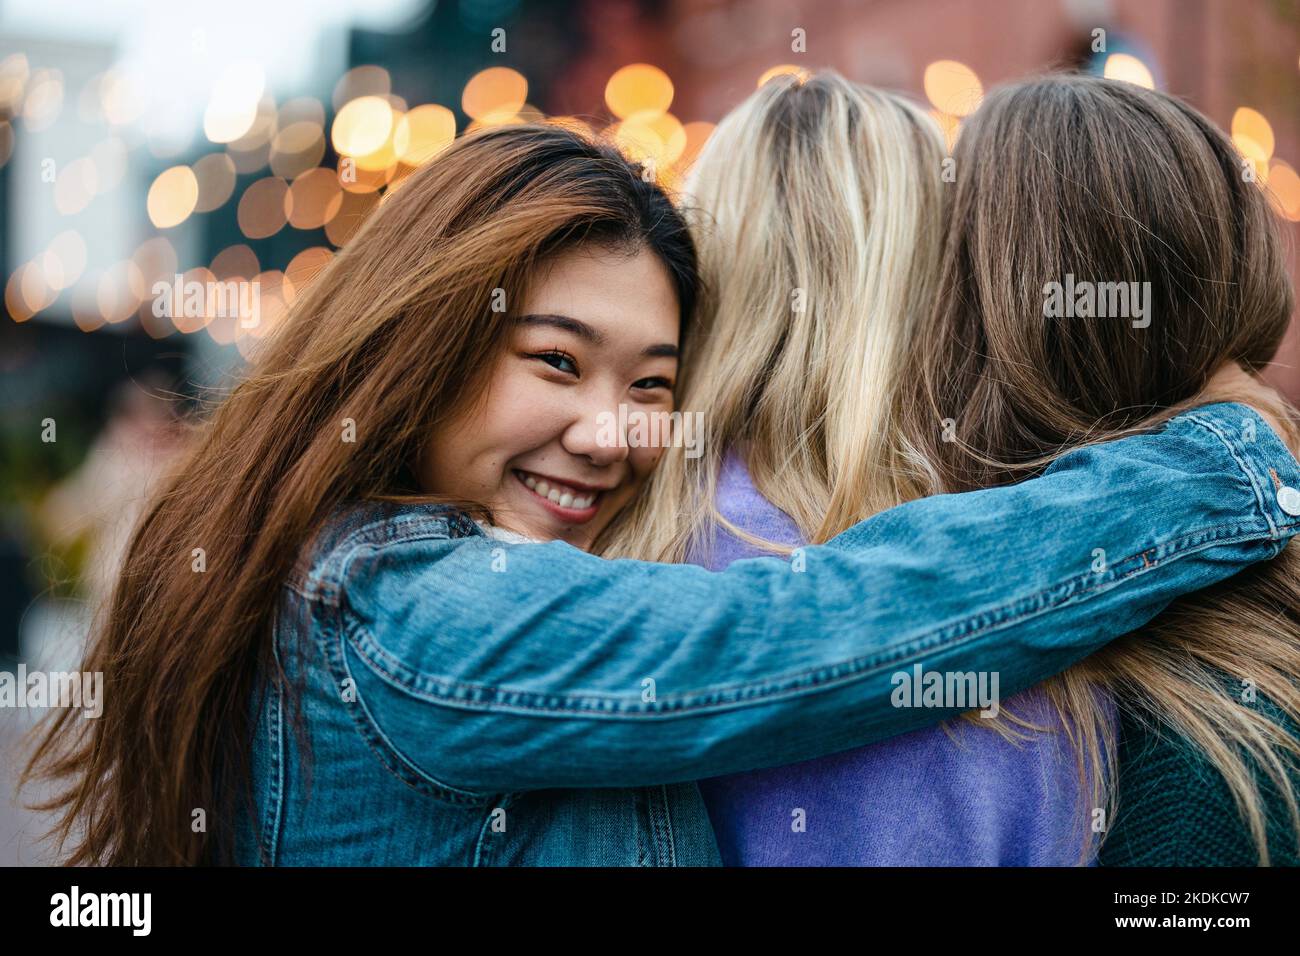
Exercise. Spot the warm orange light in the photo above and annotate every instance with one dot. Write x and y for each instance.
(496, 90)
(264, 208)
(423, 133)
(639, 92)
(1284, 187)
(362, 126)
(950, 125)
(315, 198)
(1253, 134)
(953, 87)
(785, 69)
(1129, 69)
(172, 197)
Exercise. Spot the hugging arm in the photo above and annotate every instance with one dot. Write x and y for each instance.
(556, 668)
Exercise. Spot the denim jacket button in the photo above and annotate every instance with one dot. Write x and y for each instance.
(1289, 499)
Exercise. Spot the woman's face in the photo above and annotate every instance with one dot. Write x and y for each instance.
(542, 448)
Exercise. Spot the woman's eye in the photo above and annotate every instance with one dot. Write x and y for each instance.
(558, 361)
(653, 383)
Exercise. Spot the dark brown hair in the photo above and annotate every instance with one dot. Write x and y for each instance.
(394, 333)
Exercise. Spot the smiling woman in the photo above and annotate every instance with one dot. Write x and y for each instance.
(599, 329)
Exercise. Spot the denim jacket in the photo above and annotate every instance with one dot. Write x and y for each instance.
(472, 702)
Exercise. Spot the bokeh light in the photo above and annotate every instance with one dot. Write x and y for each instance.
(953, 87)
(315, 199)
(362, 126)
(1284, 188)
(1128, 69)
(172, 197)
(784, 69)
(1253, 134)
(215, 175)
(423, 133)
(264, 208)
(495, 93)
(639, 91)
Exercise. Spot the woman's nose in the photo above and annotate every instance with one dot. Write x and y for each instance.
(599, 432)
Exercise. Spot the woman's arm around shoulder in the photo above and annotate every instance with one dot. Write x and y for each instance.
(492, 667)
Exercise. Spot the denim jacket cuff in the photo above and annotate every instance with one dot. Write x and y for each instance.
(1264, 459)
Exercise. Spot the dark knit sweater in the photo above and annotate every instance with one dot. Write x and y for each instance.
(1176, 810)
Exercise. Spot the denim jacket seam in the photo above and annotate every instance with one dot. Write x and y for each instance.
(476, 697)
(324, 580)
(1255, 480)
(276, 786)
(390, 757)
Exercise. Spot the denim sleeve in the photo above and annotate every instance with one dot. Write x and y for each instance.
(490, 668)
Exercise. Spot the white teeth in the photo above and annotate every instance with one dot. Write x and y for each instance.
(559, 494)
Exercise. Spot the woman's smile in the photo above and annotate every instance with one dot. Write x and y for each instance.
(571, 502)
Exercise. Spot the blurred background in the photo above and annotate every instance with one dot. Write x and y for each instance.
(165, 143)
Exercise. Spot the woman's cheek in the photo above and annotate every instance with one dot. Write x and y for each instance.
(644, 461)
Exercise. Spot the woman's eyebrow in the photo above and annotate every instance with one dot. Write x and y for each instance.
(581, 329)
(590, 334)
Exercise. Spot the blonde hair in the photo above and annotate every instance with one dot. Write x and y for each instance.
(815, 207)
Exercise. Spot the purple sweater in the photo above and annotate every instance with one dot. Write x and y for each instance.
(964, 796)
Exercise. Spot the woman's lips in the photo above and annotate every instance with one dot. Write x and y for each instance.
(543, 489)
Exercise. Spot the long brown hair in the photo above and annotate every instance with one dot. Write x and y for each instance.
(397, 331)
(1107, 182)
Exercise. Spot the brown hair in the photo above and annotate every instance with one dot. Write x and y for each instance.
(1108, 182)
(394, 333)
